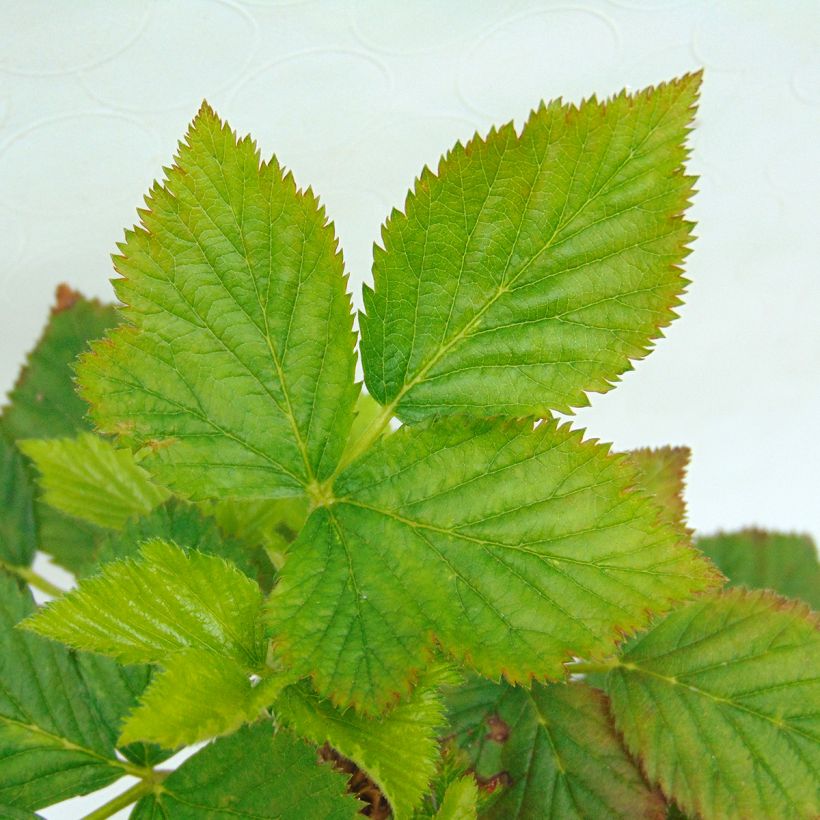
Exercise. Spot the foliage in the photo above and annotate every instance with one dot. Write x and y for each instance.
(268, 565)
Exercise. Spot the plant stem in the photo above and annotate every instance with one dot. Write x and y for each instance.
(145, 787)
(129, 796)
(589, 668)
(33, 578)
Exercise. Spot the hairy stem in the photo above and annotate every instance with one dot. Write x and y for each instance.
(33, 578)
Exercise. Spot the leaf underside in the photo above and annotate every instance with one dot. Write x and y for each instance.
(720, 702)
(530, 269)
(516, 547)
(236, 366)
(553, 750)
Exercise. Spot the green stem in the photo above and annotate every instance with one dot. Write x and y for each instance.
(139, 790)
(129, 796)
(590, 668)
(34, 579)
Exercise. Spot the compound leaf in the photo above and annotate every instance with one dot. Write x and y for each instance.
(168, 600)
(729, 684)
(197, 696)
(662, 474)
(54, 742)
(253, 773)
(88, 478)
(553, 749)
(786, 563)
(43, 402)
(516, 547)
(398, 751)
(236, 370)
(532, 268)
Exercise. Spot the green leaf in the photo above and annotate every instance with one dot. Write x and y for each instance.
(198, 696)
(18, 528)
(720, 701)
(399, 750)
(272, 524)
(253, 773)
(516, 547)
(169, 600)
(115, 692)
(556, 749)
(530, 269)
(460, 800)
(71, 543)
(44, 403)
(662, 474)
(54, 743)
(88, 478)
(783, 562)
(236, 371)
(187, 527)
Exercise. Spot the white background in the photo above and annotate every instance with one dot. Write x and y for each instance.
(356, 97)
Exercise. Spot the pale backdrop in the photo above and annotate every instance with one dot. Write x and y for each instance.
(356, 97)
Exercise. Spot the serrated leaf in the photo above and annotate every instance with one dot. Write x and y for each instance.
(530, 269)
(662, 473)
(88, 478)
(187, 527)
(234, 289)
(197, 696)
(398, 751)
(786, 563)
(167, 601)
(43, 403)
(18, 528)
(720, 701)
(253, 773)
(516, 547)
(54, 743)
(460, 801)
(554, 750)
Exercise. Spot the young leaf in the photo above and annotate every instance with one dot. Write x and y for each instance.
(460, 800)
(185, 525)
(169, 600)
(43, 403)
(720, 701)
(88, 478)
(555, 749)
(785, 563)
(532, 268)
(398, 751)
(54, 743)
(516, 547)
(662, 474)
(199, 695)
(18, 528)
(254, 773)
(237, 368)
